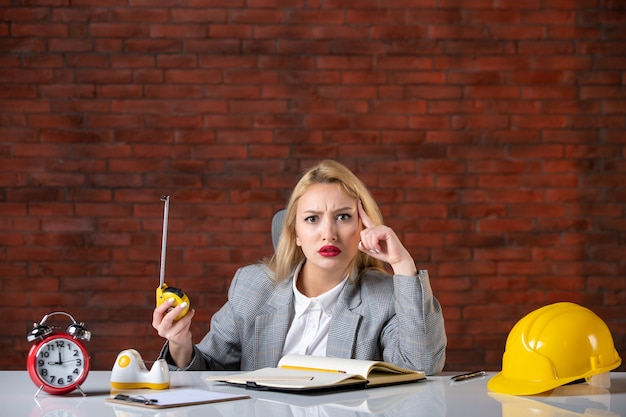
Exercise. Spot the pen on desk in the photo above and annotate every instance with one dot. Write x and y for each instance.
(137, 399)
(304, 368)
(468, 375)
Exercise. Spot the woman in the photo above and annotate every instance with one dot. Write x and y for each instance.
(324, 292)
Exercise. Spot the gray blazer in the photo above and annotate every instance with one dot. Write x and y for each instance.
(382, 317)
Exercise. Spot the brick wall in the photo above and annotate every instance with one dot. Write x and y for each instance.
(493, 136)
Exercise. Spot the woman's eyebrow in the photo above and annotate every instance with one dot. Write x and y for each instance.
(339, 210)
(346, 208)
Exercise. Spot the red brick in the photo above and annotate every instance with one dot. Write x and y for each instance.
(497, 63)
(518, 32)
(569, 32)
(514, 4)
(548, 17)
(39, 30)
(563, 63)
(118, 30)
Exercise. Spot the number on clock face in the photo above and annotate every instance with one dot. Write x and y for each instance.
(60, 362)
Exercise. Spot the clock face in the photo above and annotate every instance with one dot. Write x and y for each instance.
(59, 363)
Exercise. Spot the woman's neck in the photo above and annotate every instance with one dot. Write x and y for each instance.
(314, 282)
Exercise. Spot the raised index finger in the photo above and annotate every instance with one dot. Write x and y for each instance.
(365, 219)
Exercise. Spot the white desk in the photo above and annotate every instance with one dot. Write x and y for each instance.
(437, 396)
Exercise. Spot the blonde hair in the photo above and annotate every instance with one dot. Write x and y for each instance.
(288, 254)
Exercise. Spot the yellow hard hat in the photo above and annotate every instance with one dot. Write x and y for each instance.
(553, 346)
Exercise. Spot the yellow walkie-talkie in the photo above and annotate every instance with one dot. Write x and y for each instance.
(163, 292)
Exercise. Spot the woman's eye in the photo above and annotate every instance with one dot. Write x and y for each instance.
(311, 219)
(344, 217)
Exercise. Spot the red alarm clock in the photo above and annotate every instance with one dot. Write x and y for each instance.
(58, 362)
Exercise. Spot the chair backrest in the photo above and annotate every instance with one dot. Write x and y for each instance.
(277, 226)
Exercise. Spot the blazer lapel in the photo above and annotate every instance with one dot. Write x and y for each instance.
(271, 327)
(342, 335)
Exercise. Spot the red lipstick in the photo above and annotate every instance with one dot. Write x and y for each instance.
(329, 250)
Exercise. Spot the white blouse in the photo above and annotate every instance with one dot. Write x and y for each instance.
(308, 333)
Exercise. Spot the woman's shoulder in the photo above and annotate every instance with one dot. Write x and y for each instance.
(252, 287)
(380, 280)
(375, 278)
(255, 274)
(254, 278)
(256, 268)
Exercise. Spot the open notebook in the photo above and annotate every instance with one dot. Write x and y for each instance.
(303, 372)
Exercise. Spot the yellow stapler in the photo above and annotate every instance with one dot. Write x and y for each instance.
(130, 372)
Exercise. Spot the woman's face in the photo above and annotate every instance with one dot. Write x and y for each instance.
(328, 228)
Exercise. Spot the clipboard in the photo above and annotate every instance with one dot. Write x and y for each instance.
(174, 398)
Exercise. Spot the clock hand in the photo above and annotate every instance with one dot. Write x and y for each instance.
(71, 360)
(57, 363)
